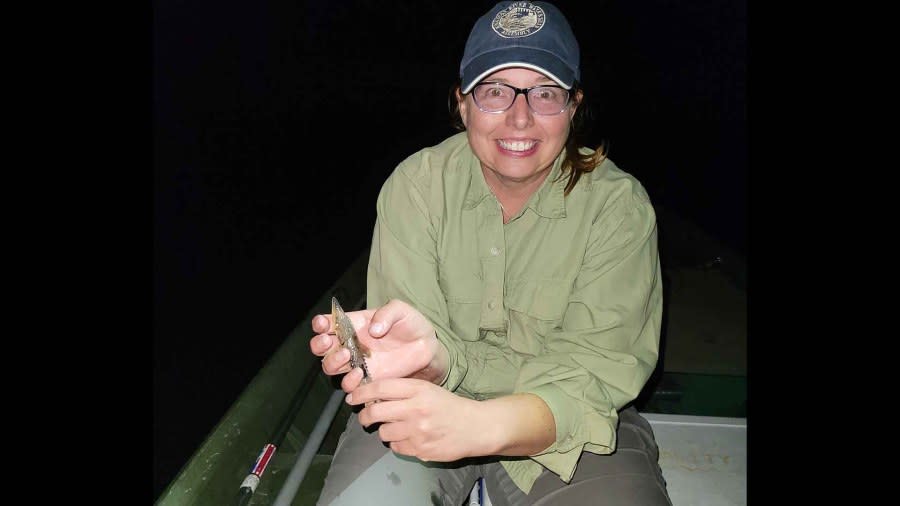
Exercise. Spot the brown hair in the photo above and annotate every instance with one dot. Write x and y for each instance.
(576, 162)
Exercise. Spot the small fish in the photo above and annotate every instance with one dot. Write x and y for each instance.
(347, 335)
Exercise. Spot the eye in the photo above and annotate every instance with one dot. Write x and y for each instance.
(498, 91)
(546, 93)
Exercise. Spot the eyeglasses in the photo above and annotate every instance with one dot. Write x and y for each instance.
(545, 100)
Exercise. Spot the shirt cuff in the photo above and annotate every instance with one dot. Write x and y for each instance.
(576, 431)
(456, 370)
(565, 414)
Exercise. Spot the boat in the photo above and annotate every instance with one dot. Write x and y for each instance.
(274, 444)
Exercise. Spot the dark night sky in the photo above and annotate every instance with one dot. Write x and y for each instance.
(275, 124)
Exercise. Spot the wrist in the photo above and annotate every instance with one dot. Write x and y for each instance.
(492, 427)
(437, 368)
(517, 425)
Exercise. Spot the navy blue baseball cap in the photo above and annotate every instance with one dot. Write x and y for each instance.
(533, 35)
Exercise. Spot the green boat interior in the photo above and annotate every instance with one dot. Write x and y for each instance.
(696, 399)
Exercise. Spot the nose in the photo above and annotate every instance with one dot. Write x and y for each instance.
(519, 115)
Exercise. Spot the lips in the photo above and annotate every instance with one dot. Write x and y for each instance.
(517, 146)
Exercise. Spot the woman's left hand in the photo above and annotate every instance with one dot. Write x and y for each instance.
(423, 420)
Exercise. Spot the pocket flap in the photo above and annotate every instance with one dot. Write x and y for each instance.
(544, 299)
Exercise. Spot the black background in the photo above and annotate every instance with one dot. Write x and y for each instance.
(275, 123)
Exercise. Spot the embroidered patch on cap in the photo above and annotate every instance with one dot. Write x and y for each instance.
(520, 19)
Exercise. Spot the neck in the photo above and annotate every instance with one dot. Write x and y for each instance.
(513, 188)
(511, 193)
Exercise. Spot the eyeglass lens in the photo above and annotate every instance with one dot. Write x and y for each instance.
(498, 97)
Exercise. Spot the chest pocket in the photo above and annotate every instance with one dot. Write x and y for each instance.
(535, 309)
(544, 300)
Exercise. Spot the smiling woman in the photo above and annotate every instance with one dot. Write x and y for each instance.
(514, 300)
(515, 144)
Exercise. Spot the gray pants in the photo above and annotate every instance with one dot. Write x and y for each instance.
(365, 471)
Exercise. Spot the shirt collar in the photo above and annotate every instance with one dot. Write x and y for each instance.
(548, 201)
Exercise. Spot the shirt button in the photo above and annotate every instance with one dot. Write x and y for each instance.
(495, 251)
(492, 305)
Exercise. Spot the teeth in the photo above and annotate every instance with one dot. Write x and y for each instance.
(517, 145)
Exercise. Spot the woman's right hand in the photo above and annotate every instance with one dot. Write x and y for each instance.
(402, 344)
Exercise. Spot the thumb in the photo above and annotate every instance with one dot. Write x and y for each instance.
(386, 316)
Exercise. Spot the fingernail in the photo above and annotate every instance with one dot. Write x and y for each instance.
(349, 399)
(377, 328)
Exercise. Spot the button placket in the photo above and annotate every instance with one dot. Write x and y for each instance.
(492, 242)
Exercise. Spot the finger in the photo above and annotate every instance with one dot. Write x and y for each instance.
(393, 432)
(337, 362)
(323, 344)
(352, 380)
(321, 323)
(405, 448)
(387, 389)
(386, 412)
(386, 316)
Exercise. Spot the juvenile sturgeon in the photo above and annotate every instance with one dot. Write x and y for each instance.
(343, 327)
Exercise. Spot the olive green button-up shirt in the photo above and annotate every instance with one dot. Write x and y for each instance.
(564, 301)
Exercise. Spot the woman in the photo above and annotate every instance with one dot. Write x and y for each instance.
(518, 293)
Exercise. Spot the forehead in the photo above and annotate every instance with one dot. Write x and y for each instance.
(519, 75)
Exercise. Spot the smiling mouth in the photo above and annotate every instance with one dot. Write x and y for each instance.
(517, 146)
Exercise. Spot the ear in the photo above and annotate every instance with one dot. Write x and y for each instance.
(463, 107)
(576, 102)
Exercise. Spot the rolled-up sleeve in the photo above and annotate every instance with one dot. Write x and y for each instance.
(403, 262)
(607, 346)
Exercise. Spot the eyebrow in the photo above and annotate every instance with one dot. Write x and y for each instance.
(541, 81)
